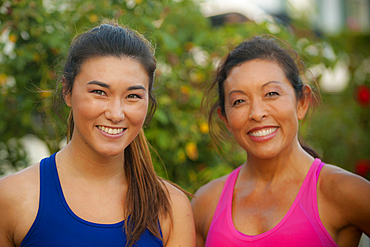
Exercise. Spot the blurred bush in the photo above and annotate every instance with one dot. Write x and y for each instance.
(35, 36)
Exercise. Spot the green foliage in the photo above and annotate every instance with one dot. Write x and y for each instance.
(187, 49)
(12, 157)
(341, 127)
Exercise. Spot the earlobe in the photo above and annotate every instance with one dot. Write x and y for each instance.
(66, 95)
(223, 118)
(304, 102)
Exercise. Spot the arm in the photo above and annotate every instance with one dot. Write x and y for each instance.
(181, 231)
(6, 213)
(204, 205)
(19, 197)
(199, 218)
(344, 204)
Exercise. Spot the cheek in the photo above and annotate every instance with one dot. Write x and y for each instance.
(236, 119)
(137, 113)
(286, 114)
(86, 108)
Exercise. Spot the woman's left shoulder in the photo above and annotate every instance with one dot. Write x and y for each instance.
(335, 179)
(347, 194)
(176, 195)
(181, 230)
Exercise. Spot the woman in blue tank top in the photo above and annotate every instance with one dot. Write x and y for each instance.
(101, 189)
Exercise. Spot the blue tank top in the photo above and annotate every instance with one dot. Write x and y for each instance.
(57, 226)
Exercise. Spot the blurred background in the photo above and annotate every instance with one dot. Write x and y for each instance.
(191, 37)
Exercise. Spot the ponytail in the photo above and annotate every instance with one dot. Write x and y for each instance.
(71, 125)
(146, 197)
(309, 150)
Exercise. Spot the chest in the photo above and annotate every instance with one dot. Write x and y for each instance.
(254, 212)
(98, 204)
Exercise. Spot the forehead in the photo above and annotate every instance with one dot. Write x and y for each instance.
(111, 69)
(255, 73)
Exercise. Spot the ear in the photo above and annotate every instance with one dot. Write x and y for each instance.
(223, 118)
(304, 102)
(67, 97)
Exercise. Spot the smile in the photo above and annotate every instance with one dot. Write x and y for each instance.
(263, 132)
(111, 131)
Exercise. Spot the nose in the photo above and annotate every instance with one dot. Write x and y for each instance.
(258, 111)
(115, 111)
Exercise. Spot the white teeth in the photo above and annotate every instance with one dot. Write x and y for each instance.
(110, 130)
(263, 132)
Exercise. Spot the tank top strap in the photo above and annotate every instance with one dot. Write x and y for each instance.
(46, 198)
(308, 188)
(49, 187)
(227, 192)
(319, 167)
(310, 205)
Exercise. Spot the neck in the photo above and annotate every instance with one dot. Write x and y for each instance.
(289, 163)
(79, 160)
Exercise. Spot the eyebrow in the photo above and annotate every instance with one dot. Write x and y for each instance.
(270, 83)
(136, 87)
(264, 85)
(235, 91)
(99, 83)
(105, 85)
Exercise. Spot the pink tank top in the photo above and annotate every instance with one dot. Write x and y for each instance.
(301, 226)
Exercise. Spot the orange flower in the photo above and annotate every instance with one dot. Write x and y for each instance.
(2, 79)
(192, 151)
(93, 18)
(204, 129)
(13, 38)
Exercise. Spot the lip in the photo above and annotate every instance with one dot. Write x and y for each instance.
(111, 136)
(266, 137)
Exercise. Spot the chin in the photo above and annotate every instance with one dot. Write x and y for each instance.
(110, 152)
(263, 155)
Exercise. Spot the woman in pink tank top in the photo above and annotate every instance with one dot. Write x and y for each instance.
(283, 195)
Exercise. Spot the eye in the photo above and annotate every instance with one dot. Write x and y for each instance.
(133, 96)
(237, 102)
(100, 92)
(271, 94)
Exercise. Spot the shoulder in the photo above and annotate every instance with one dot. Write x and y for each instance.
(204, 206)
(18, 186)
(19, 196)
(180, 229)
(177, 198)
(209, 193)
(346, 195)
(336, 182)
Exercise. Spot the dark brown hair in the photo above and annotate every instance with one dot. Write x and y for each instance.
(255, 48)
(147, 197)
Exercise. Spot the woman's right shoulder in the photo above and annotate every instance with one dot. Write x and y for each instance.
(19, 197)
(22, 182)
(204, 206)
(210, 193)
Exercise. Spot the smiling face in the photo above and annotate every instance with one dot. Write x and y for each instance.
(109, 101)
(261, 108)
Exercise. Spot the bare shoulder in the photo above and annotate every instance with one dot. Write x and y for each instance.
(19, 185)
(209, 194)
(346, 195)
(337, 182)
(204, 206)
(180, 230)
(175, 194)
(19, 196)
